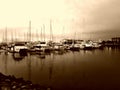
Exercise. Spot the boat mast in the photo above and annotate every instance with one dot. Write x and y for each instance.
(51, 33)
(12, 37)
(6, 34)
(83, 28)
(37, 35)
(15, 35)
(44, 31)
(30, 31)
(41, 33)
(3, 38)
(63, 33)
(24, 37)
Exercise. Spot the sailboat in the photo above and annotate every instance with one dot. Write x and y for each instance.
(18, 46)
(40, 47)
(75, 45)
(50, 42)
(59, 46)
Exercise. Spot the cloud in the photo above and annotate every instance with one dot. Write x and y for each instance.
(107, 16)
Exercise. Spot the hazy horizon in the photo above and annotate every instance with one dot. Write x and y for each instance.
(81, 19)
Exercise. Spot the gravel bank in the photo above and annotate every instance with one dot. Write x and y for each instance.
(12, 83)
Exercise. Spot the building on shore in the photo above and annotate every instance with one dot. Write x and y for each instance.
(116, 40)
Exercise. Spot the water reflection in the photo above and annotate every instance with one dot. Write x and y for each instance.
(5, 57)
(41, 58)
(68, 68)
(51, 66)
(17, 56)
(58, 52)
(42, 64)
(29, 66)
(41, 55)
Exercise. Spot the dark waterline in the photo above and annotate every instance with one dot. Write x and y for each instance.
(96, 69)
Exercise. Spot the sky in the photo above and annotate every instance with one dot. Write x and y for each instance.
(80, 19)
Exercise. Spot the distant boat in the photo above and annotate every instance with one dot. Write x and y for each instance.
(42, 45)
(66, 43)
(19, 47)
(82, 44)
(58, 47)
(98, 45)
(88, 45)
(39, 47)
(45, 47)
(75, 46)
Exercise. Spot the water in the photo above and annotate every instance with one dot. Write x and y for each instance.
(96, 69)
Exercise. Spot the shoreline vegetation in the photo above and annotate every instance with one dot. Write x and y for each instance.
(10, 82)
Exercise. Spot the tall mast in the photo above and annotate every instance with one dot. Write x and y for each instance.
(51, 33)
(37, 38)
(30, 31)
(63, 33)
(3, 38)
(24, 37)
(6, 34)
(44, 31)
(27, 36)
(41, 34)
(15, 35)
(11, 36)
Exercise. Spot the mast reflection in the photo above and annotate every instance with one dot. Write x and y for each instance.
(29, 66)
(5, 57)
(51, 66)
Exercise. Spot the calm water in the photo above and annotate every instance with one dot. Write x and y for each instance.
(97, 69)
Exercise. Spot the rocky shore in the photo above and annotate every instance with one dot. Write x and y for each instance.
(13, 83)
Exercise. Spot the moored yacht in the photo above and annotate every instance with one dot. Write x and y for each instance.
(75, 46)
(88, 45)
(39, 47)
(19, 47)
(58, 47)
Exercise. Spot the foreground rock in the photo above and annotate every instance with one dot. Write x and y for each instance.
(12, 83)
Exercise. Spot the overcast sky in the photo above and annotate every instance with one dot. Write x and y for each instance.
(87, 18)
